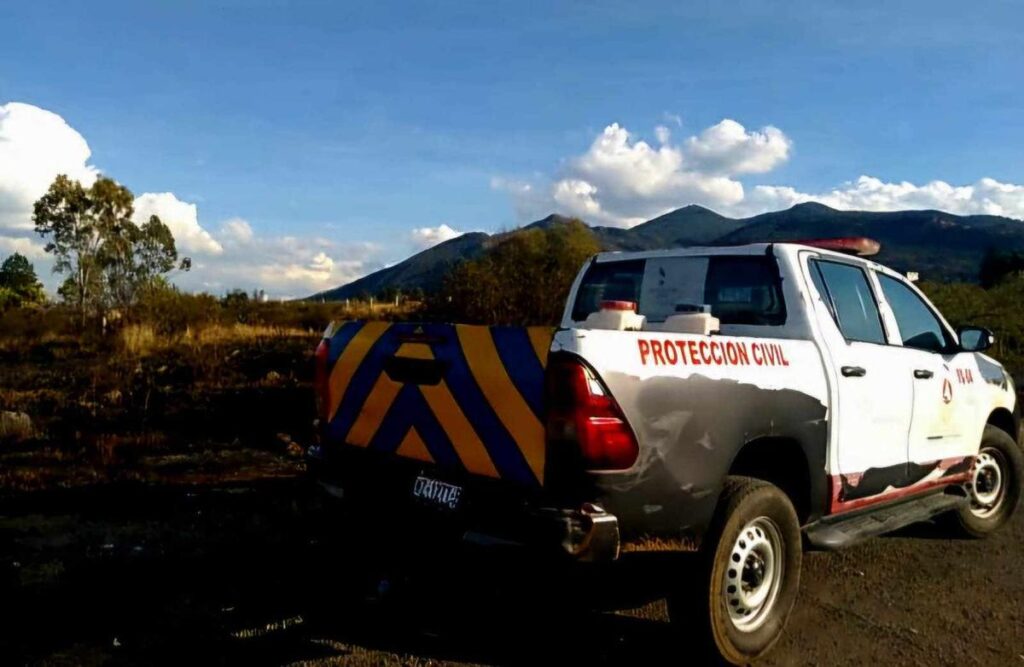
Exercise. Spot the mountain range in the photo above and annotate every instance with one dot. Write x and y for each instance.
(939, 246)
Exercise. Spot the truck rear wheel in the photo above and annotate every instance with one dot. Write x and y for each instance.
(994, 487)
(749, 573)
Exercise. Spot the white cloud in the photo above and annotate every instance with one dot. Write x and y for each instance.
(727, 148)
(236, 230)
(868, 193)
(428, 237)
(238, 256)
(35, 146)
(622, 180)
(182, 218)
(283, 266)
(26, 246)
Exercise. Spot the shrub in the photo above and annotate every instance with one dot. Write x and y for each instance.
(169, 311)
(524, 279)
(997, 309)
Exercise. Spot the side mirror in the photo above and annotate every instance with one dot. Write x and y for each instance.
(975, 339)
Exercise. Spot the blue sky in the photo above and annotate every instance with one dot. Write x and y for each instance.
(346, 126)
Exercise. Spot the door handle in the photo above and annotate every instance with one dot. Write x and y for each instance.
(922, 374)
(853, 371)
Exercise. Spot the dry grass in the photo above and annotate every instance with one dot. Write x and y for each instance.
(192, 388)
(142, 404)
(141, 340)
(14, 344)
(218, 334)
(138, 339)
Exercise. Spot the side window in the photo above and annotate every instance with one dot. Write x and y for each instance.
(615, 281)
(919, 328)
(745, 290)
(819, 284)
(850, 299)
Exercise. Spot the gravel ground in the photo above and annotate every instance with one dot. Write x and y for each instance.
(257, 574)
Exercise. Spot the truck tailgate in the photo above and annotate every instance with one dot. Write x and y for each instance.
(466, 398)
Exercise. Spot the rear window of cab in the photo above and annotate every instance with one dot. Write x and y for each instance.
(739, 289)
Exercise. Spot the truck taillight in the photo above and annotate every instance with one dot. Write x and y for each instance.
(320, 378)
(581, 411)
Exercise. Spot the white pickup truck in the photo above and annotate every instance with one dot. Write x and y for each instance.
(738, 402)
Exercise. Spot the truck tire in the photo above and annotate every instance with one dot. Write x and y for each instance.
(994, 488)
(746, 582)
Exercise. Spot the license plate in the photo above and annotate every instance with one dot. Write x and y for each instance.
(436, 492)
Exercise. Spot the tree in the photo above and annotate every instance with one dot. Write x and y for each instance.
(138, 257)
(107, 258)
(235, 298)
(18, 279)
(62, 216)
(238, 303)
(523, 280)
(998, 265)
(8, 299)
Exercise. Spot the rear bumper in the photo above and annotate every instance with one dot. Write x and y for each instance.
(588, 534)
(375, 492)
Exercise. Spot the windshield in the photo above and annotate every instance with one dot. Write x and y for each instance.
(739, 289)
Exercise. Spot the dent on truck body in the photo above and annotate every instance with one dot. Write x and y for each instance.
(690, 431)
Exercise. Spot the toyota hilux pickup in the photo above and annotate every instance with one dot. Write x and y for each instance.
(743, 403)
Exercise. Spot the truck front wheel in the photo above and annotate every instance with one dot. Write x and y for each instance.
(749, 573)
(994, 487)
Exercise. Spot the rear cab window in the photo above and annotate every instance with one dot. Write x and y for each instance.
(739, 289)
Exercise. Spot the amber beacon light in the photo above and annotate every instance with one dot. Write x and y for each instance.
(861, 246)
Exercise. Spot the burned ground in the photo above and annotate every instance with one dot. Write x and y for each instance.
(264, 573)
(219, 404)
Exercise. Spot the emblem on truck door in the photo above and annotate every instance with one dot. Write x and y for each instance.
(947, 391)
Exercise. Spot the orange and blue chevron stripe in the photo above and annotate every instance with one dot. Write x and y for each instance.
(460, 396)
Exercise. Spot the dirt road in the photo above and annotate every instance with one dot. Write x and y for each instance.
(255, 575)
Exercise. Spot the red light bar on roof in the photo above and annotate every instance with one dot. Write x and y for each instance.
(851, 245)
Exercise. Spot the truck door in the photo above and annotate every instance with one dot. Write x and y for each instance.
(943, 428)
(873, 401)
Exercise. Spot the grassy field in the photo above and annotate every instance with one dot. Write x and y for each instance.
(203, 394)
(220, 402)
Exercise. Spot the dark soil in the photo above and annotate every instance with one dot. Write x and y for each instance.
(264, 573)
